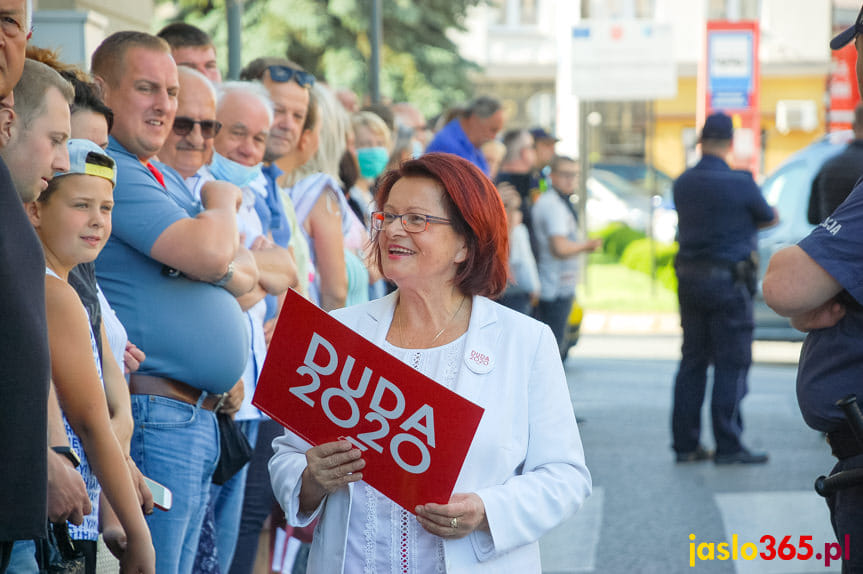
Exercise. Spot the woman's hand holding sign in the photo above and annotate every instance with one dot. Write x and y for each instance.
(330, 466)
(464, 514)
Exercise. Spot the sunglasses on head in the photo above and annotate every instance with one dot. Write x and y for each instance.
(183, 126)
(283, 74)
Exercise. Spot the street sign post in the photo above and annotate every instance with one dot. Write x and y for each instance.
(626, 60)
(730, 81)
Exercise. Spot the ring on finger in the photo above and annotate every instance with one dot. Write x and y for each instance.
(454, 523)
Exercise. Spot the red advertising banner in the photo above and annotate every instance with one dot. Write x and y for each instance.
(842, 88)
(324, 382)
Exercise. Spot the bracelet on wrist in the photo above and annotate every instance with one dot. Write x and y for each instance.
(226, 277)
(68, 453)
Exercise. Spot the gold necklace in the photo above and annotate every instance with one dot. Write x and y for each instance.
(439, 333)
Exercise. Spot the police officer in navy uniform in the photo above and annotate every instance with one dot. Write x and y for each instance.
(818, 283)
(719, 213)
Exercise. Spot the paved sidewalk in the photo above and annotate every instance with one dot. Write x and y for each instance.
(659, 335)
(599, 322)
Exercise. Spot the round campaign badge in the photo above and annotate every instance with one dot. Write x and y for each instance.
(480, 361)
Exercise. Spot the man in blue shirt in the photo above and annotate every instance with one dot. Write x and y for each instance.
(719, 212)
(168, 271)
(819, 284)
(480, 122)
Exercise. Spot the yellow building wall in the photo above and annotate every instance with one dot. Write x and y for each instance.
(675, 115)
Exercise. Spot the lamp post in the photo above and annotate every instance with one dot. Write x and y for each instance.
(234, 13)
(376, 38)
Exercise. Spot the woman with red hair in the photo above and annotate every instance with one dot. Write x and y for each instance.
(441, 237)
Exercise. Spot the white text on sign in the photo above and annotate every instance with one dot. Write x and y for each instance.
(387, 404)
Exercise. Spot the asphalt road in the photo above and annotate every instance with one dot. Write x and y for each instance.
(646, 509)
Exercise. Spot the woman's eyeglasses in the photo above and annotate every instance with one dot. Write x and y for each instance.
(283, 74)
(183, 126)
(411, 222)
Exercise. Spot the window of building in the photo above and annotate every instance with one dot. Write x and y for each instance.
(616, 9)
(514, 12)
(497, 12)
(528, 14)
(733, 9)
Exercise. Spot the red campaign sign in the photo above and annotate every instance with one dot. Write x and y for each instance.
(324, 382)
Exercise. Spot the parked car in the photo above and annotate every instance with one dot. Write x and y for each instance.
(611, 198)
(653, 181)
(788, 189)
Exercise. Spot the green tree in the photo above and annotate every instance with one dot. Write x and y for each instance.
(330, 38)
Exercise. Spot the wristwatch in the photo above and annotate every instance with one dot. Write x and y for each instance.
(68, 453)
(226, 277)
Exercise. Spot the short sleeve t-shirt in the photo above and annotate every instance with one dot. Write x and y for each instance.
(191, 331)
(831, 361)
(551, 217)
(452, 139)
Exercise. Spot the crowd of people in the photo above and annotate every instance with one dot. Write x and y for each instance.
(165, 213)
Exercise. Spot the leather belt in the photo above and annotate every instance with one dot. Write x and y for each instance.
(171, 389)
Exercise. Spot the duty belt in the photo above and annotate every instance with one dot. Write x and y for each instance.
(843, 443)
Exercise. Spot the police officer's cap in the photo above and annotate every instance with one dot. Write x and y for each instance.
(717, 126)
(842, 39)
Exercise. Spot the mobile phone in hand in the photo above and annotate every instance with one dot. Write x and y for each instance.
(162, 497)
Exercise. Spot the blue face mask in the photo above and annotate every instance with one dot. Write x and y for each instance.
(372, 160)
(225, 169)
(416, 149)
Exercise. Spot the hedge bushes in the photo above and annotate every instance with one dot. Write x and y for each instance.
(637, 256)
(632, 249)
(616, 237)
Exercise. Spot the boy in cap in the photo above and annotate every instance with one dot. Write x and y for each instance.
(817, 283)
(719, 213)
(72, 217)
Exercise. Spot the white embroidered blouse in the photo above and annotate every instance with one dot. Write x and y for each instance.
(392, 540)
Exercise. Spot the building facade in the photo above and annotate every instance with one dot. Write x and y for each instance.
(518, 44)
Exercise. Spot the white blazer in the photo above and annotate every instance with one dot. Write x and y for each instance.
(526, 461)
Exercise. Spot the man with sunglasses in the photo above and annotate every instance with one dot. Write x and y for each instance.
(186, 151)
(168, 272)
(288, 85)
(189, 144)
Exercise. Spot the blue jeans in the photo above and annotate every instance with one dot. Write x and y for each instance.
(716, 317)
(555, 314)
(228, 500)
(23, 558)
(177, 445)
(258, 501)
(518, 301)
